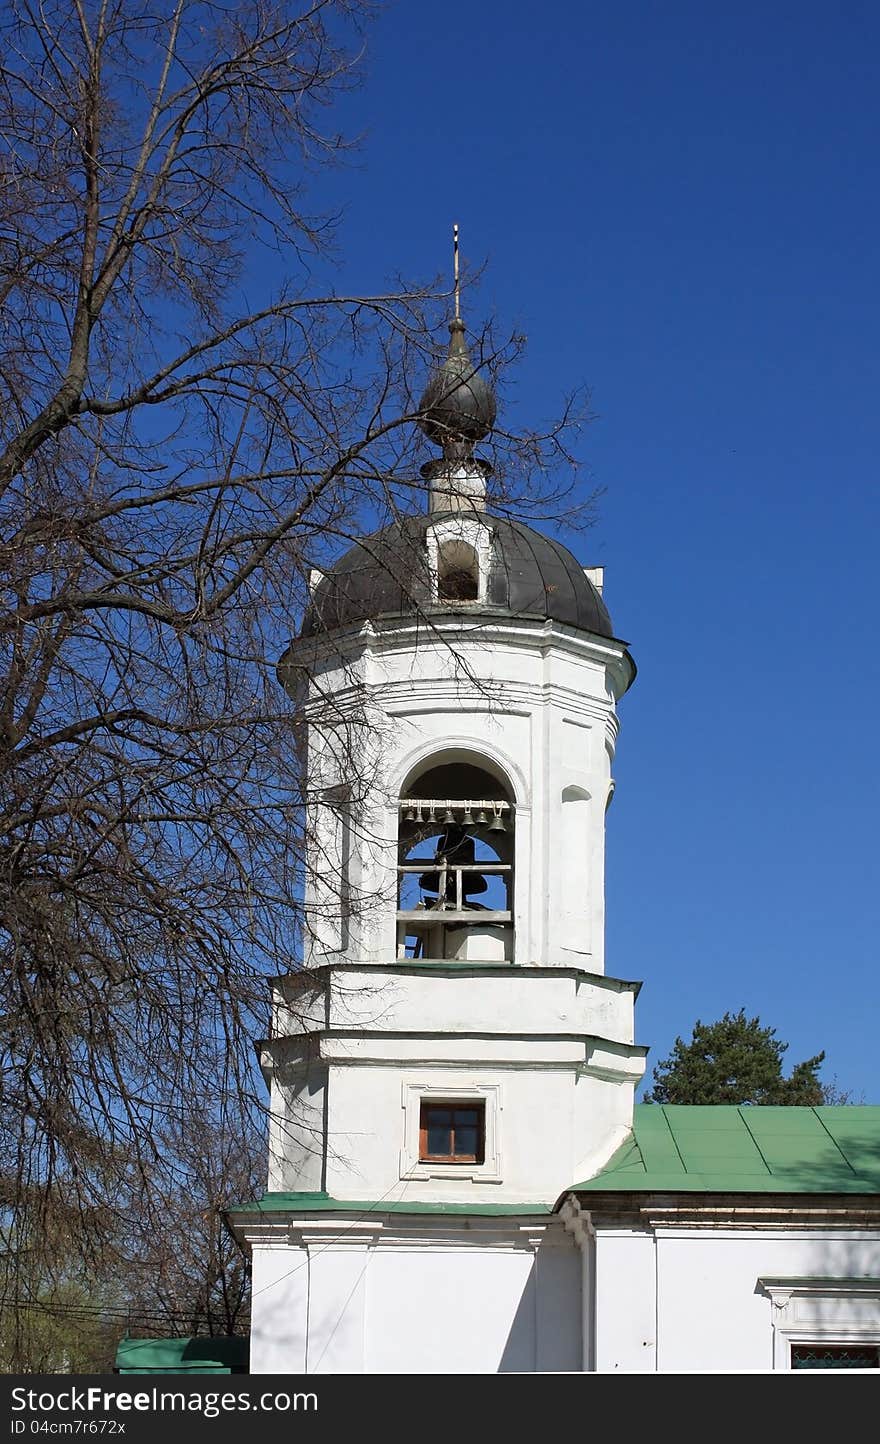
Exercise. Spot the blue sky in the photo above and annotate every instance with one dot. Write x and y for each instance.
(679, 205)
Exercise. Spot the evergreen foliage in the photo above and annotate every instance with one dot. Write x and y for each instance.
(735, 1060)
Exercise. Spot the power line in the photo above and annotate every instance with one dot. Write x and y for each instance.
(89, 1312)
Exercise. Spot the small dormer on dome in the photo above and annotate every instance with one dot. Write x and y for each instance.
(405, 569)
(459, 558)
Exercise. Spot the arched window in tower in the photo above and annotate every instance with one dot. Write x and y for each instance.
(458, 572)
(455, 864)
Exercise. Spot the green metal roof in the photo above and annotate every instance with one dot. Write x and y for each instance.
(223, 1355)
(721, 1149)
(323, 1203)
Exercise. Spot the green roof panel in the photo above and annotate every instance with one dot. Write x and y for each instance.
(222, 1355)
(702, 1118)
(766, 1122)
(722, 1149)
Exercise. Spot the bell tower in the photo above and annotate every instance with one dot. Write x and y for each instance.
(452, 1037)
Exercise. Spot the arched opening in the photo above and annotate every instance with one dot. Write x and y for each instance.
(458, 572)
(455, 865)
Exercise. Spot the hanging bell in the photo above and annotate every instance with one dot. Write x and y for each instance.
(410, 815)
(482, 817)
(457, 850)
(497, 823)
(448, 816)
(468, 818)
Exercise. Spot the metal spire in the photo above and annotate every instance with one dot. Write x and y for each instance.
(457, 410)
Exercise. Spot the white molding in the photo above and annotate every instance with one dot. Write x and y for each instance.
(411, 1098)
(404, 698)
(821, 1311)
(577, 1221)
(463, 742)
(429, 1233)
(406, 631)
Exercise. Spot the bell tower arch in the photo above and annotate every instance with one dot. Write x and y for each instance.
(458, 902)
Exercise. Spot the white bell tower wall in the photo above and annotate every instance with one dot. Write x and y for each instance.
(487, 994)
(532, 702)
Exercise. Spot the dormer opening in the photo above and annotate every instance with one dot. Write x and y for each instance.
(455, 864)
(459, 554)
(458, 572)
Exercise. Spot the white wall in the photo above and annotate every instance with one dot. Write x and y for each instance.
(419, 1300)
(690, 1300)
(403, 998)
(555, 1047)
(394, 1294)
(553, 1123)
(537, 700)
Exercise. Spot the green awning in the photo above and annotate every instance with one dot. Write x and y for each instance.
(223, 1355)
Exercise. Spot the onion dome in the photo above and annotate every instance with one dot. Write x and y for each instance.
(458, 407)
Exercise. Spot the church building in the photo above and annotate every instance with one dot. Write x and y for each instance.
(460, 1179)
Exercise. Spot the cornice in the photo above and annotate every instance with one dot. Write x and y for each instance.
(406, 631)
(734, 1212)
(508, 970)
(586, 1054)
(432, 1232)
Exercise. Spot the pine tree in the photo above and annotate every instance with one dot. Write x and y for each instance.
(735, 1060)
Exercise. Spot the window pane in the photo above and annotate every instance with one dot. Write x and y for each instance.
(465, 1141)
(835, 1356)
(452, 1132)
(440, 1131)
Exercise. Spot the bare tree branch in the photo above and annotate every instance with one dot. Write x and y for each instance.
(183, 435)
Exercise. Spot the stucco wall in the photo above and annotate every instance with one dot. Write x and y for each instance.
(536, 701)
(433, 1304)
(692, 1300)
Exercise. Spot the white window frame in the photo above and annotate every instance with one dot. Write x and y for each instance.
(413, 1095)
(822, 1311)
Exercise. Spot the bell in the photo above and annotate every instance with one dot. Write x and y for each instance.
(410, 815)
(448, 816)
(468, 818)
(482, 818)
(497, 824)
(457, 849)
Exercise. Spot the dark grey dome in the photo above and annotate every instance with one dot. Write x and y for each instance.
(387, 574)
(458, 404)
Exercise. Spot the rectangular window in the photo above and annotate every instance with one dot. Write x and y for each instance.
(452, 1132)
(835, 1356)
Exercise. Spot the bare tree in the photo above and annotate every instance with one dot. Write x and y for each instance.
(190, 1277)
(179, 444)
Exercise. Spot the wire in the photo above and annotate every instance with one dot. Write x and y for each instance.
(335, 1239)
(89, 1312)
